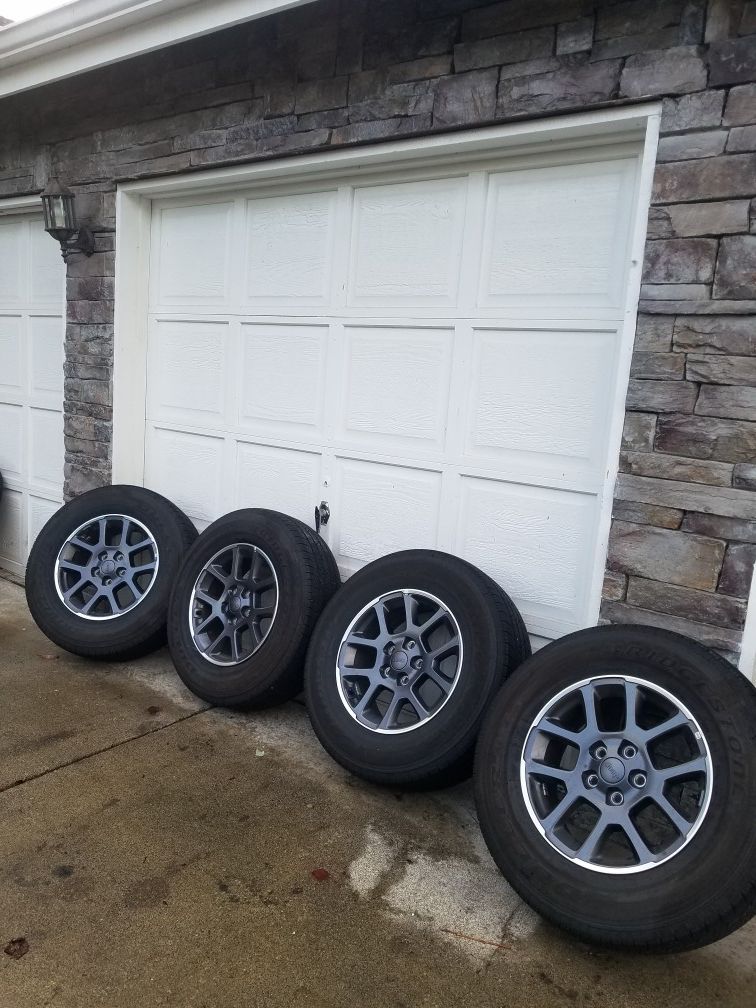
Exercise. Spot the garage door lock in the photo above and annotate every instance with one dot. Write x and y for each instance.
(322, 514)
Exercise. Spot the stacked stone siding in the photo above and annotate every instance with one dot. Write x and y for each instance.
(683, 539)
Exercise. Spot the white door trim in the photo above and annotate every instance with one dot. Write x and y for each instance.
(20, 204)
(747, 664)
(133, 218)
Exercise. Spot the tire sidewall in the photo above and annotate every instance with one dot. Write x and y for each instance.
(687, 881)
(237, 685)
(147, 618)
(453, 728)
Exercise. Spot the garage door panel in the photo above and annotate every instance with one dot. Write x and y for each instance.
(46, 280)
(46, 365)
(41, 509)
(540, 400)
(278, 478)
(395, 388)
(536, 542)
(45, 436)
(12, 256)
(11, 372)
(557, 234)
(12, 531)
(283, 379)
(289, 242)
(187, 372)
(407, 243)
(11, 439)
(188, 469)
(382, 508)
(193, 264)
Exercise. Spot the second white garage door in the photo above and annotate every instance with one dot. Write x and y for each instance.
(32, 290)
(435, 355)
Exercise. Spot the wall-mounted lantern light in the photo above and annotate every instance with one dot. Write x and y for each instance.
(60, 220)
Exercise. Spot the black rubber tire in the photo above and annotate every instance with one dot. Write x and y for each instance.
(520, 648)
(138, 632)
(307, 578)
(439, 752)
(699, 895)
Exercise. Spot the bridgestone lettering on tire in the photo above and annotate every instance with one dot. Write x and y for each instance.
(403, 663)
(615, 782)
(101, 571)
(244, 606)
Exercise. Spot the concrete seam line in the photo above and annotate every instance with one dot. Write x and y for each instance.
(98, 752)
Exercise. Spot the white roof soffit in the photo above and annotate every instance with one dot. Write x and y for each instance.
(90, 33)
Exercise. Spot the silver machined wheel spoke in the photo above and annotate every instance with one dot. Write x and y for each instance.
(89, 605)
(214, 641)
(549, 727)
(418, 706)
(236, 652)
(443, 684)
(215, 570)
(357, 640)
(632, 698)
(80, 544)
(432, 621)
(67, 565)
(389, 718)
(446, 648)
(408, 613)
(237, 564)
(366, 699)
(642, 851)
(558, 813)
(380, 615)
(76, 588)
(679, 720)
(141, 568)
(611, 760)
(257, 631)
(687, 769)
(589, 847)
(566, 777)
(205, 623)
(589, 702)
(680, 823)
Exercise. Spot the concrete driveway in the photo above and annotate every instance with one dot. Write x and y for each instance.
(157, 852)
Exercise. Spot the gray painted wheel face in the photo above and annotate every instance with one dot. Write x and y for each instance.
(616, 774)
(106, 567)
(233, 604)
(399, 661)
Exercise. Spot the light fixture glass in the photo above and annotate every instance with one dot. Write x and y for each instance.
(60, 220)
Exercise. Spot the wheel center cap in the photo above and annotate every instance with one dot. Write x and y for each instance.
(612, 770)
(399, 660)
(235, 603)
(108, 567)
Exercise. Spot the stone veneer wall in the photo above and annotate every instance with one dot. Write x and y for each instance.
(683, 540)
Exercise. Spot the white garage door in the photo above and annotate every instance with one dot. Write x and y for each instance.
(31, 384)
(436, 356)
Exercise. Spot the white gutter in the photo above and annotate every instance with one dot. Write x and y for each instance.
(90, 33)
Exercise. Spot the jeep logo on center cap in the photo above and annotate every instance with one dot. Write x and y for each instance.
(612, 770)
